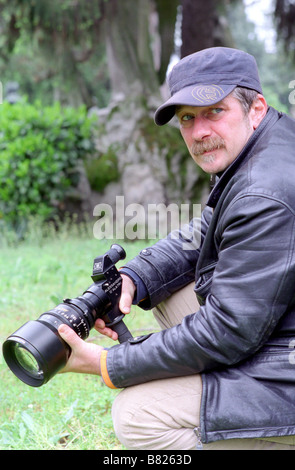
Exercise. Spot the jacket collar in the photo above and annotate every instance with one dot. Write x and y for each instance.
(271, 118)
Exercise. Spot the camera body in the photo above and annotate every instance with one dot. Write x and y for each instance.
(36, 352)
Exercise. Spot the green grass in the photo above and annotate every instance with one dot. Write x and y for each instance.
(72, 411)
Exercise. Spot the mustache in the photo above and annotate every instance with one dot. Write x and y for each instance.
(208, 145)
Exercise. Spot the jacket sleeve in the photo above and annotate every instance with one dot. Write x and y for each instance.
(170, 264)
(251, 288)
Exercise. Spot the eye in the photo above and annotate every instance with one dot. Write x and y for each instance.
(216, 110)
(185, 120)
(186, 117)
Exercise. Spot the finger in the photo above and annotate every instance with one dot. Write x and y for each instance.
(128, 290)
(99, 323)
(69, 336)
(102, 329)
(125, 303)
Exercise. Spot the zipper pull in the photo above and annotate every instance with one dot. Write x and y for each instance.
(199, 445)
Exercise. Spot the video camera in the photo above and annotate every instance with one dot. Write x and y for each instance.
(36, 352)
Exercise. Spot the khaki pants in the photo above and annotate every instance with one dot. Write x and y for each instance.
(162, 414)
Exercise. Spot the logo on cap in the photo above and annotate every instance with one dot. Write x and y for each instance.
(207, 94)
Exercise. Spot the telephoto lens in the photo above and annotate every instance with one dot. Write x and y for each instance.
(36, 352)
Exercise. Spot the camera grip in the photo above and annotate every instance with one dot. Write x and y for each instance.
(121, 329)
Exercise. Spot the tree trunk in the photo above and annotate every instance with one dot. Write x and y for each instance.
(130, 58)
(203, 25)
(152, 162)
(167, 12)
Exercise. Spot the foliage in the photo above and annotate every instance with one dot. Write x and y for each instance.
(275, 68)
(65, 36)
(40, 152)
(54, 21)
(45, 45)
(41, 79)
(103, 169)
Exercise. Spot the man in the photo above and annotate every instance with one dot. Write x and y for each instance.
(221, 372)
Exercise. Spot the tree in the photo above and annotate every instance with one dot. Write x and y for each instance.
(274, 84)
(285, 21)
(138, 36)
(129, 50)
(203, 25)
(64, 33)
(68, 33)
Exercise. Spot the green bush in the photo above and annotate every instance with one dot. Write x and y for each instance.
(103, 169)
(40, 150)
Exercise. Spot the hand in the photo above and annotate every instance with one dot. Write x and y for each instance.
(85, 357)
(127, 295)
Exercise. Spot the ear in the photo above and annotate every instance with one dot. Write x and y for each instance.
(258, 111)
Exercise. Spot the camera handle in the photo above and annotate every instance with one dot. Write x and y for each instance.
(105, 272)
(114, 318)
(120, 328)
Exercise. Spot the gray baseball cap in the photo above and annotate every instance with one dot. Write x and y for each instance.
(207, 77)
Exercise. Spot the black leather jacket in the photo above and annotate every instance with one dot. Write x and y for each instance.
(243, 337)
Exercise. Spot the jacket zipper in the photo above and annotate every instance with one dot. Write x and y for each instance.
(199, 445)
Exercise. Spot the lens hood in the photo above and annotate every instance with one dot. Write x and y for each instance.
(38, 340)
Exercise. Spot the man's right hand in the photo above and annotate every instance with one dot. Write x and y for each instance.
(127, 295)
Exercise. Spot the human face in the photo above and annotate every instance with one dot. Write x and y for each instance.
(216, 134)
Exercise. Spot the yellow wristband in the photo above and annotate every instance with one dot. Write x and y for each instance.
(104, 370)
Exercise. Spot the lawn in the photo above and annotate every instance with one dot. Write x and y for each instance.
(72, 411)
